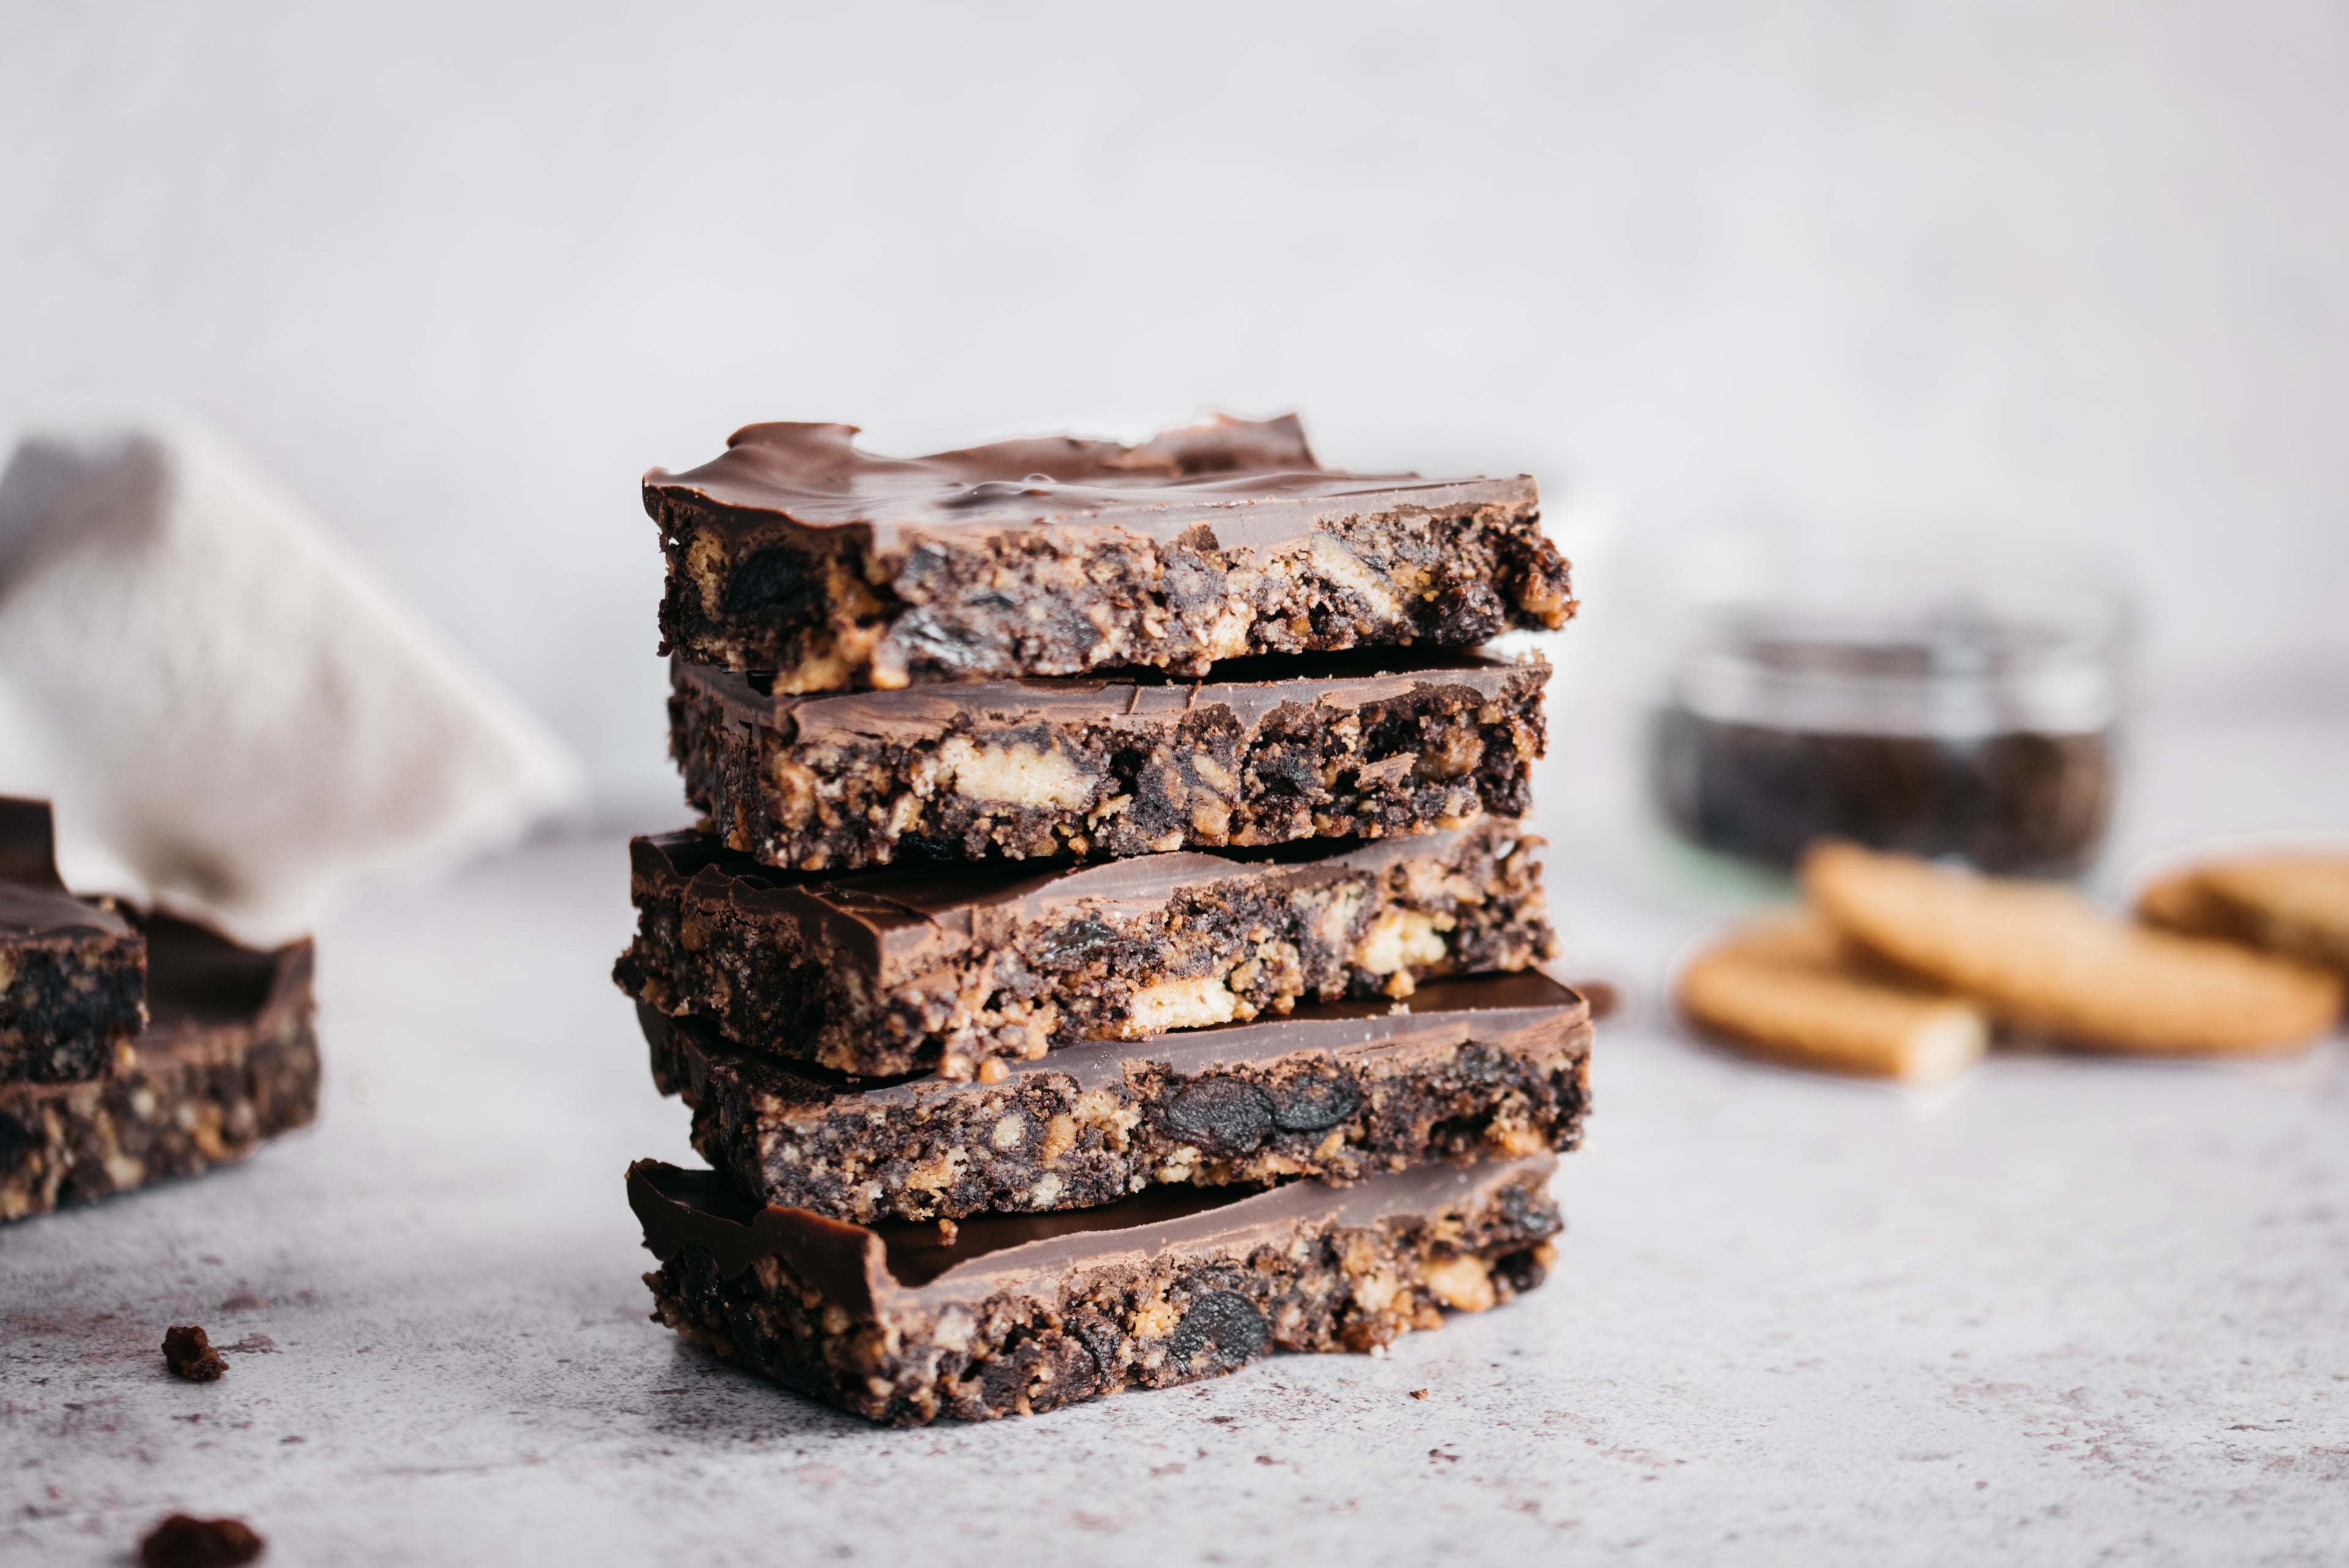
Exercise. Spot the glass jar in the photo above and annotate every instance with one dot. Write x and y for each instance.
(1903, 708)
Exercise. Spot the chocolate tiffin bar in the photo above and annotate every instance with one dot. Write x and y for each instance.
(1493, 1066)
(1264, 751)
(887, 972)
(796, 553)
(228, 1058)
(73, 972)
(904, 1323)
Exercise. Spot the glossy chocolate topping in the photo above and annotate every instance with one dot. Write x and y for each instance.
(1252, 691)
(33, 898)
(196, 978)
(1251, 481)
(905, 918)
(898, 1264)
(1525, 1011)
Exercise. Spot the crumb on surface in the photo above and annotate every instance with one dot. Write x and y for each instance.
(187, 1352)
(184, 1541)
(1419, 1393)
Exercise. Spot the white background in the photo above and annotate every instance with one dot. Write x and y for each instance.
(459, 273)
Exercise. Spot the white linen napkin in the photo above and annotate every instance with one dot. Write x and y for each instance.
(232, 719)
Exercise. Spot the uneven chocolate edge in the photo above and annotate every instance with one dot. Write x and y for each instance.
(28, 852)
(905, 1264)
(810, 480)
(196, 978)
(889, 915)
(1346, 681)
(200, 980)
(34, 900)
(1523, 1013)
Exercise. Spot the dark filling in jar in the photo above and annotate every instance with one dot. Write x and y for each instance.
(1964, 732)
(2021, 803)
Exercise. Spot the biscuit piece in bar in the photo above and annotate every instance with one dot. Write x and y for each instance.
(887, 972)
(1332, 746)
(73, 974)
(1019, 1313)
(2296, 904)
(796, 553)
(1493, 1066)
(2042, 958)
(228, 1060)
(1791, 990)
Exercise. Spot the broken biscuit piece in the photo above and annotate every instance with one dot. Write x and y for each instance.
(1791, 990)
(2042, 958)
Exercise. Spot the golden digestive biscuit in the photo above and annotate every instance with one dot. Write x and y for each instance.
(2042, 957)
(2296, 904)
(1789, 991)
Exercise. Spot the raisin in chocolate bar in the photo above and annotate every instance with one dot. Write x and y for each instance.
(1019, 1313)
(73, 974)
(228, 1061)
(1266, 751)
(1494, 1066)
(796, 553)
(887, 972)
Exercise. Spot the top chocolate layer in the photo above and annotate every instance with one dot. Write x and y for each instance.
(1256, 483)
(899, 1263)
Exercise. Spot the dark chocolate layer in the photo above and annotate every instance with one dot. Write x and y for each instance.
(1256, 483)
(795, 551)
(1489, 1066)
(864, 1267)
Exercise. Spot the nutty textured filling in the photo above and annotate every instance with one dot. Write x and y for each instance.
(1047, 1142)
(68, 1008)
(1202, 953)
(833, 613)
(186, 1103)
(1116, 1323)
(1436, 756)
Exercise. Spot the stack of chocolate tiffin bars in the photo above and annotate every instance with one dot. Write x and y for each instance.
(1107, 951)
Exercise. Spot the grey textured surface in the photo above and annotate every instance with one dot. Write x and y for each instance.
(2071, 1311)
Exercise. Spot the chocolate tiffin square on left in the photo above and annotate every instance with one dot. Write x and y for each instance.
(73, 972)
(228, 1057)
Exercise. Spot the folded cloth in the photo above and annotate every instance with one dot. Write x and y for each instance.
(231, 718)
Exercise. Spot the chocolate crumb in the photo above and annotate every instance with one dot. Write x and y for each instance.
(1603, 997)
(187, 1352)
(182, 1541)
(1419, 1393)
